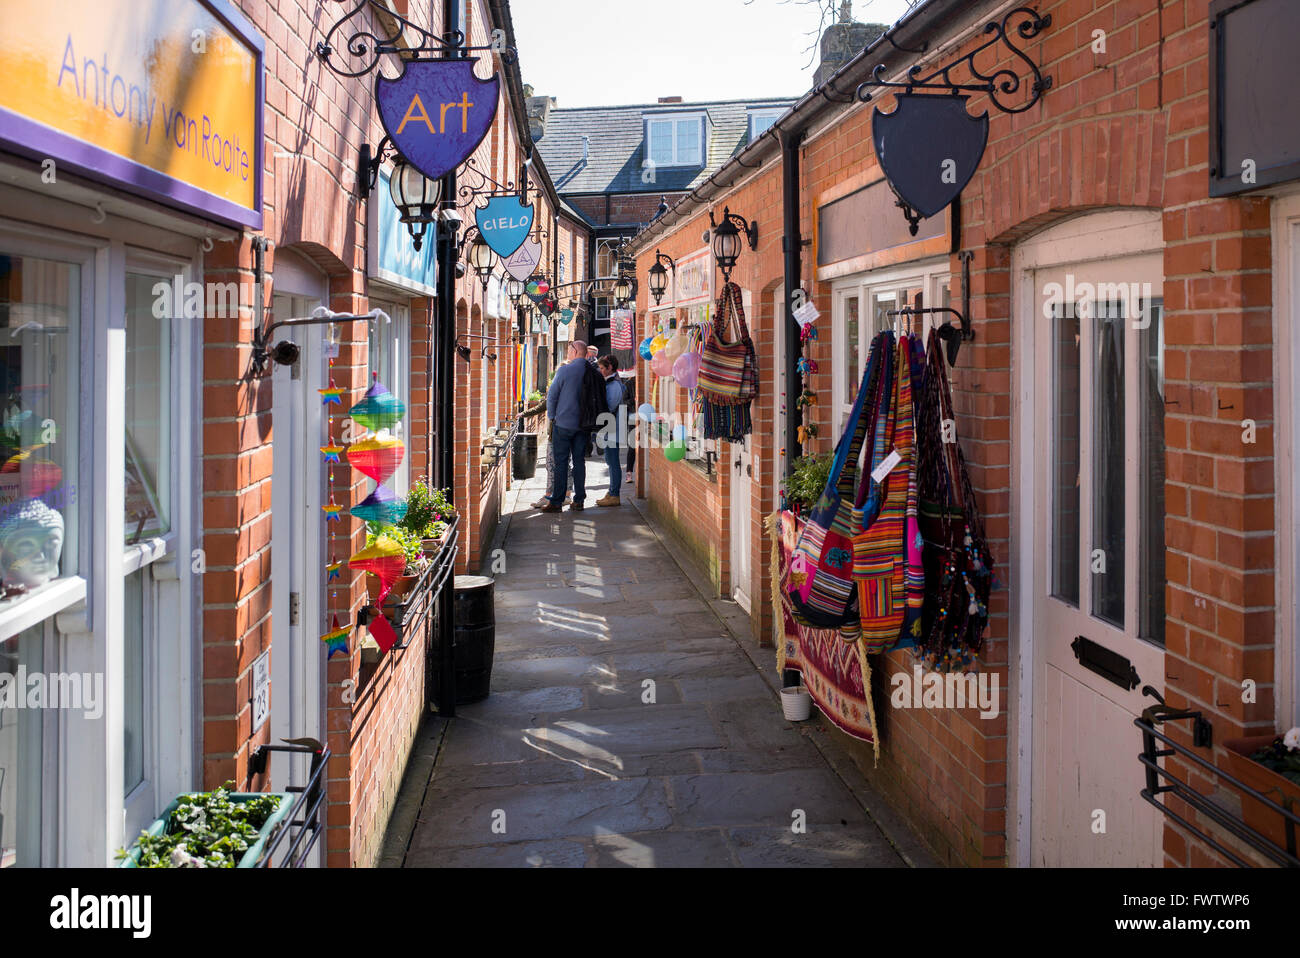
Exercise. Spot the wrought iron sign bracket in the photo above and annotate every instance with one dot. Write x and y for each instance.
(1004, 82)
(286, 353)
(404, 39)
(371, 161)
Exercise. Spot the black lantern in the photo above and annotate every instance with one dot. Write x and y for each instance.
(482, 260)
(514, 289)
(623, 289)
(726, 239)
(416, 198)
(658, 276)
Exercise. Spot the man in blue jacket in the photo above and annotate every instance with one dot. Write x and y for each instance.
(564, 408)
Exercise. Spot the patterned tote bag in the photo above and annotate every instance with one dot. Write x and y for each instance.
(728, 378)
(879, 552)
(819, 580)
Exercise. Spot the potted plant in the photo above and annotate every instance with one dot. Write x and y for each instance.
(807, 481)
(1270, 764)
(217, 829)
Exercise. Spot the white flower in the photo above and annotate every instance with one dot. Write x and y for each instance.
(1292, 739)
(183, 859)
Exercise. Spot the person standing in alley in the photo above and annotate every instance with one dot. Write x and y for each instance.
(564, 409)
(616, 398)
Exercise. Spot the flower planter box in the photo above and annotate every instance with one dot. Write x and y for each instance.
(1264, 780)
(250, 858)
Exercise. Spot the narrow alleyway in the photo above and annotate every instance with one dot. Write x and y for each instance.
(625, 727)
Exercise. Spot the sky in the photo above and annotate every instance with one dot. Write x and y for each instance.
(605, 52)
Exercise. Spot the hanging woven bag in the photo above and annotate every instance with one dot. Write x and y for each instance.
(728, 380)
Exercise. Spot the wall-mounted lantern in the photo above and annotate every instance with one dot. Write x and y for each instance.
(726, 239)
(658, 276)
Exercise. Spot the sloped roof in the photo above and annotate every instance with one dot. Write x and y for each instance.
(618, 150)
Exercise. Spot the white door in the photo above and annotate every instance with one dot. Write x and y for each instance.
(298, 551)
(1099, 547)
(742, 475)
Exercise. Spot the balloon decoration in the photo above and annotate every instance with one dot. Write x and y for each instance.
(680, 433)
(657, 344)
(686, 370)
(675, 451)
(644, 348)
(662, 365)
(646, 412)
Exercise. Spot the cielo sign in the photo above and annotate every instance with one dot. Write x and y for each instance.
(437, 112)
(162, 96)
(504, 224)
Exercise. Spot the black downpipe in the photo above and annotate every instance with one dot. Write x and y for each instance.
(445, 326)
(793, 342)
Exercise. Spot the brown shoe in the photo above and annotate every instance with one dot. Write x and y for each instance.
(550, 508)
(576, 507)
(608, 501)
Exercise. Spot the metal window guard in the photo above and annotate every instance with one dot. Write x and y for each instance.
(499, 453)
(1150, 756)
(409, 615)
(307, 819)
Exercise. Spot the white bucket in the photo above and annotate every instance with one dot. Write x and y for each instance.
(796, 703)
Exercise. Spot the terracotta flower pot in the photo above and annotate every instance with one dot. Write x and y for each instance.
(1264, 780)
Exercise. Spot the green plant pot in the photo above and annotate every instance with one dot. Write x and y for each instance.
(251, 857)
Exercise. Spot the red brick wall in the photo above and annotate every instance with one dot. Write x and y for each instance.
(621, 209)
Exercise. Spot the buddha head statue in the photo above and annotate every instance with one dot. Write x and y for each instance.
(31, 542)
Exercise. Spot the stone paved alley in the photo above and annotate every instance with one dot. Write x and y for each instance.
(591, 607)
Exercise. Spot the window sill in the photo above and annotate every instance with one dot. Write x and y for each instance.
(24, 611)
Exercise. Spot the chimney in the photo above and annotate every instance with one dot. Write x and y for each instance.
(670, 99)
(539, 111)
(844, 40)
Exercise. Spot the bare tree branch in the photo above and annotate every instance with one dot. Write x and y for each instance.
(827, 14)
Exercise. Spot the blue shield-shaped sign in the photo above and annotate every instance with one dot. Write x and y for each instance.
(437, 112)
(504, 224)
(929, 148)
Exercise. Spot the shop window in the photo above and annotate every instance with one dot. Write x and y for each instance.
(148, 413)
(760, 121)
(22, 740)
(390, 358)
(675, 140)
(1065, 453)
(1151, 463)
(40, 319)
(1110, 478)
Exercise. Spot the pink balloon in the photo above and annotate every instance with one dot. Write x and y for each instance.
(686, 370)
(662, 365)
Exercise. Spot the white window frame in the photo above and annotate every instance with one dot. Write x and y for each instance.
(771, 114)
(675, 119)
(932, 275)
(1286, 360)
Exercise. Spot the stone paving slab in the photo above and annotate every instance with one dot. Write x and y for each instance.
(575, 769)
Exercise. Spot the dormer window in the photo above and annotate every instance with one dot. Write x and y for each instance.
(761, 120)
(675, 139)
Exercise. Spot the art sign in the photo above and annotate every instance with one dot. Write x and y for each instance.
(437, 112)
(524, 260)
(504, 223)
(929, 148)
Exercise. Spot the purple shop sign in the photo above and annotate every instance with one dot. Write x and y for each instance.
(437, 112)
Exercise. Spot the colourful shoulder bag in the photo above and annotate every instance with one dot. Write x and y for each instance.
(728, 377)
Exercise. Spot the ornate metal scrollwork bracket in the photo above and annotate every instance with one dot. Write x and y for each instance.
(1001, 85)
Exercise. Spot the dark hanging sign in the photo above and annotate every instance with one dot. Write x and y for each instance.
(504, 224)
(437, 112)
(929, 148)
(1254, 137)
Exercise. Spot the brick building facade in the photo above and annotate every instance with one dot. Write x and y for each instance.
(1105, 177)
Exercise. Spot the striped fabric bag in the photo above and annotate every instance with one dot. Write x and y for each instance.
(728, 379)
(819, 580)
(880, 553)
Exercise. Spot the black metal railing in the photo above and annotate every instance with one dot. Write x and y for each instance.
(410, 617)
(1150, 758)
(499, 454)
(291, 846)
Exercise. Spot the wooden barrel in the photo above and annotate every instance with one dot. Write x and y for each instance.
(475, 641)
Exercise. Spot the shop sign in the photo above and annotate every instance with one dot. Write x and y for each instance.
(521, 263)
(393, 257)
(929, 148)
(437, 112)
(504, 223)
(164, 97)
(694, 282)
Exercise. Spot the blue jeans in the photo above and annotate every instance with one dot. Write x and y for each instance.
(615, 469)
(570, 444)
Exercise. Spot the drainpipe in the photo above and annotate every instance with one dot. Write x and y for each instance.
(793, 245)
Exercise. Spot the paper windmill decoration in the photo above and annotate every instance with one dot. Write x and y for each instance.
(384, 558)
(336, 640)
(382, 506)
(380, 409)
(377, 457)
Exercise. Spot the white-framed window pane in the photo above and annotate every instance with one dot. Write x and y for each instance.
(1151, 460)
(688, 141)
(148, 412)
(661, 142)
(1109, 473)
(761, 123)
(40, 313)
(21, 749)
(135, 687)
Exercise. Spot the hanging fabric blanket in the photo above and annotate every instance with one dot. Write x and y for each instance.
(833, 662)
(728, 378)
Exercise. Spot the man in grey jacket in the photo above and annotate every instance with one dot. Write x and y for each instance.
(564, 407)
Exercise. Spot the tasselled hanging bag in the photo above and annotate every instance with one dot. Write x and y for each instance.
(728, 378)
(879, 552)
(819, 581)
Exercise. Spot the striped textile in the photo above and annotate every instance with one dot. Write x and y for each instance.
(621, 337)
(879, 555)
(728, 370)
